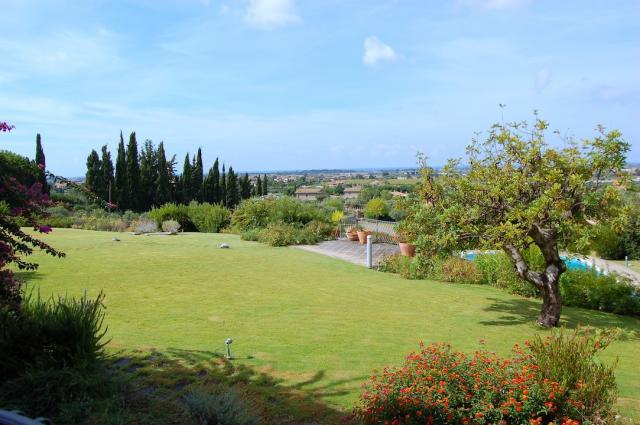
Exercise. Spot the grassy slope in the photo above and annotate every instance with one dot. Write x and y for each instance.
(298, 315)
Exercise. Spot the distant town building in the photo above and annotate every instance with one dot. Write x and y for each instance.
(352, 192)
(310, 193)
(397, 194)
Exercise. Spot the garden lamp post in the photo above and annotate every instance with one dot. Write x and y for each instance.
(228, 344)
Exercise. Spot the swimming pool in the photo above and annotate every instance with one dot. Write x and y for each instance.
(573, 263)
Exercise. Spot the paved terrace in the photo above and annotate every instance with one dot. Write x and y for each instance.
(357, 254)
(352, 251)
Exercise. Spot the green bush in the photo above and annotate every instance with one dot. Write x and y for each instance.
(208, 218)
(496, 269)
(459, 270)
(251, 235)
(280, 234)
(251, 213)
(57, 333)
(571, 361)
(170, 226)
(377, 208)
(259, 212)
(177, 212)
(587, 289)
(67, 395)
(410, 268)
(222, 407)
(608, 244)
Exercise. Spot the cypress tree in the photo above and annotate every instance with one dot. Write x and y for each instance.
(197, 177)
(148, 175)
(245, 187)
(223, 187)
(107, 173)
(93, 178)
(133, 173)
(215, 183)
(163, 182)
(42, 164)
(265, 189)
(258, 186)
(185, 181)
(122, 182)
(233, 191)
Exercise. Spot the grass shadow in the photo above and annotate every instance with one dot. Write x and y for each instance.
(160, 380)
(520, 311)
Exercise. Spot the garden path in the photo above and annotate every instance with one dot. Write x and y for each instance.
(352, 251)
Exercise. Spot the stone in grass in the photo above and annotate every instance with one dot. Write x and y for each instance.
(224, 245)
(115, 239)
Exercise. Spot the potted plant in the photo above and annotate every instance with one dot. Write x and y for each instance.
(406, 235)
(352, 234)
(336, 218)
(362, 234)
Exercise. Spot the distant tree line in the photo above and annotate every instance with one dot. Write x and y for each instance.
(142, 179)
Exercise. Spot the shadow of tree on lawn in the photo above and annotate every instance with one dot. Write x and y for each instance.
(160, 380)
(520, 311)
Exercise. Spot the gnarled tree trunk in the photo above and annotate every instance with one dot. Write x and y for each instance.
(548, 280)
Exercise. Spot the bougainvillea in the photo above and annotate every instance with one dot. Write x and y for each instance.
(438, 385)
(27, 203)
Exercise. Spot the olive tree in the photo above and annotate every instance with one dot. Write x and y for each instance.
(516, 190)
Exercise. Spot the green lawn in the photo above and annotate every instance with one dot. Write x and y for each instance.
(310, 320)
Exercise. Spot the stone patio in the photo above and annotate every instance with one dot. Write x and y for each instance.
(352, 251)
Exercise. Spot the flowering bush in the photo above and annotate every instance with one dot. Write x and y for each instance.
(440, 386)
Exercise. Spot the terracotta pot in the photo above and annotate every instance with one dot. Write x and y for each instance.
(407, 249)
(352, 236)
(362, 236)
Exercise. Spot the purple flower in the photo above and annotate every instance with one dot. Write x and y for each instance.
(44, 229)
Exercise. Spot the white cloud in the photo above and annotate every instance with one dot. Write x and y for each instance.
(269, 14)
(494, 4)
(376, 51)
(543, 79)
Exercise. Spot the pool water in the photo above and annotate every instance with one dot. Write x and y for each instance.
(572, 263)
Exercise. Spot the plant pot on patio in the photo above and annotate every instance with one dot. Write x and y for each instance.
(362, 236)
(352, 234)
(407, 249)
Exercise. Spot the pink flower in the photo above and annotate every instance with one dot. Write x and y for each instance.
(6, 127)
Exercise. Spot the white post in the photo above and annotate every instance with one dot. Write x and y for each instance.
(626, 261)
(369, 251)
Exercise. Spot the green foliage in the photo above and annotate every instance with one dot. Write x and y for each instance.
(333, 204)
(572, 361)
(67, 395)
(56, 333)
(459, 270)
(133, 174)
(376, 208)
(496, 269)
(258, 213)
(284, 234)
(177, 212)
(607, 243)
(18, 167)
(587, 289)
(170, 226)
(630, 237)
(221, 407)
(208, 218)
(518, 190)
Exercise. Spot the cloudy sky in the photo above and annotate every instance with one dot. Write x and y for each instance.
(292, 84)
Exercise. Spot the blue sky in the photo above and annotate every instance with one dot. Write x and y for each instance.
(292, 84)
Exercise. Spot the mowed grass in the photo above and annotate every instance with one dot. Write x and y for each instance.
(318, 323)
